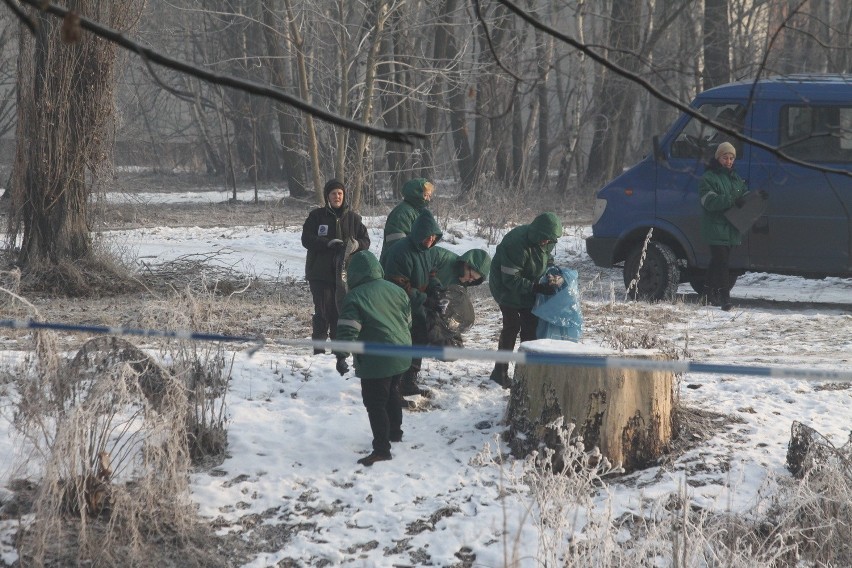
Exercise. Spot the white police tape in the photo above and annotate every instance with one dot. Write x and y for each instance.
(456, 353)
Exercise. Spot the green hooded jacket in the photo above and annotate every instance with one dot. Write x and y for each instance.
(401, 218)
(450, 266)
(409, 264)
(718, 190)
(374, 311)
(521, 259)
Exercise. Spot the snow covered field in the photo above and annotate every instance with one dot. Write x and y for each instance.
(296, 428)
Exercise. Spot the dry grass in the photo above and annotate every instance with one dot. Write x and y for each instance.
(115, 434)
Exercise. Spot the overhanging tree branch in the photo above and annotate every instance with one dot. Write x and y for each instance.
(254, 88)
(654, 92)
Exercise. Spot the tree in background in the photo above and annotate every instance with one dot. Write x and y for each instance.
(65, 86)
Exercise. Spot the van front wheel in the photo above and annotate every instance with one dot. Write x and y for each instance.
(658, 277)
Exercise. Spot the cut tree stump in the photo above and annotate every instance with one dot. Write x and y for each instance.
(627, 414)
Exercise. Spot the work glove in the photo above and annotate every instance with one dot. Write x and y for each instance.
(335, 244)
(543, 289)
(763, 194)
(739, 202)
(342, 366)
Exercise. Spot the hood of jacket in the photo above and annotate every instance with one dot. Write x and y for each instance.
(363, 267)
(545, 227)
(423, 226)
(412, 192)
(479, 260)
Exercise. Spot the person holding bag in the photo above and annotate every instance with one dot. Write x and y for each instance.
(521, 259)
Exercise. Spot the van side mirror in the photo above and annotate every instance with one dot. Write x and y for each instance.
(659, 154)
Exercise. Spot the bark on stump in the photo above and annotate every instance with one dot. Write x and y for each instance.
(627, 414)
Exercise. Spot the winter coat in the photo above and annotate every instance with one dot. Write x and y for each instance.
(520, 260)
(718, 190)
(322, 225)
(409, 264)
(401, 218)
(374, 311)
(450, 267)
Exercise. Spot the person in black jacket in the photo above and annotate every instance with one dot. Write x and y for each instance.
(331, 234)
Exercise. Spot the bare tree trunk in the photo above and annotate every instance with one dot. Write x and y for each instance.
(616, 95)
(545, 61)
(446, 51)
(304, 91)
(380, 13)
(717, 43)
(293, 162)
(64, 131)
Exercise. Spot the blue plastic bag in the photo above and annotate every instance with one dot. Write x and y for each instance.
(560, 315)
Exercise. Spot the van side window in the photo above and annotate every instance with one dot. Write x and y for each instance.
(699, 141)
(817, 133)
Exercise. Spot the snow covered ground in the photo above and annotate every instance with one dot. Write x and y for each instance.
(296, 428)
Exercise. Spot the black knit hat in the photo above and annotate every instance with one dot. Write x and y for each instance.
(332, 184)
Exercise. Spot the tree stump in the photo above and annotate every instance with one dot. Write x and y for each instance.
(627, 414)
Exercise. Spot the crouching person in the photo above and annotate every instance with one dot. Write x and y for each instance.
(376, 311)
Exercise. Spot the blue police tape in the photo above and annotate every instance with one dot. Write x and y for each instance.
(456, 353)
(112, 330)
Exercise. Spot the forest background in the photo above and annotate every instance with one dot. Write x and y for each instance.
(510, 99)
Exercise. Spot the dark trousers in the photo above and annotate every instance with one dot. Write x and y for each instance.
(515, 320)
(383, 403)
(718, 274)
(419, 336)
(324, 322)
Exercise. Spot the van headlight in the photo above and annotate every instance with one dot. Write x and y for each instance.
(600, 207)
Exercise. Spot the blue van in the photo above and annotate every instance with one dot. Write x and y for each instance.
(805, 229)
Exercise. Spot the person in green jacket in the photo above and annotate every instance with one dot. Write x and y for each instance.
(410, 265)
(720, 189)
(521, 259)
(416, 194)
(467, 269)
(376, 311)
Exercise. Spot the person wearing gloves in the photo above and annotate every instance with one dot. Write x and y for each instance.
(376, 311)
(467, 269)
(416, 194)
(521, 259)
(720, 189)
(410, 265)
(326, 234)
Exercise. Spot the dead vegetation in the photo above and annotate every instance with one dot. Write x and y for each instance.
(116, 433)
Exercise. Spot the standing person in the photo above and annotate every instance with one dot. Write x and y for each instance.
(720, 189)
(468, 269)
(416, 195)
(329, 233)
(376, 311)
(410, 266)
(520, 261)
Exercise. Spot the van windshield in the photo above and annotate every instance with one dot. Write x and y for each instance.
(699, 141)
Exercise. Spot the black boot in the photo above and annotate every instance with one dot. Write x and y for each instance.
(319, 332)
(714, 296)
(725, 300)
(408, 384)
(500, 375)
